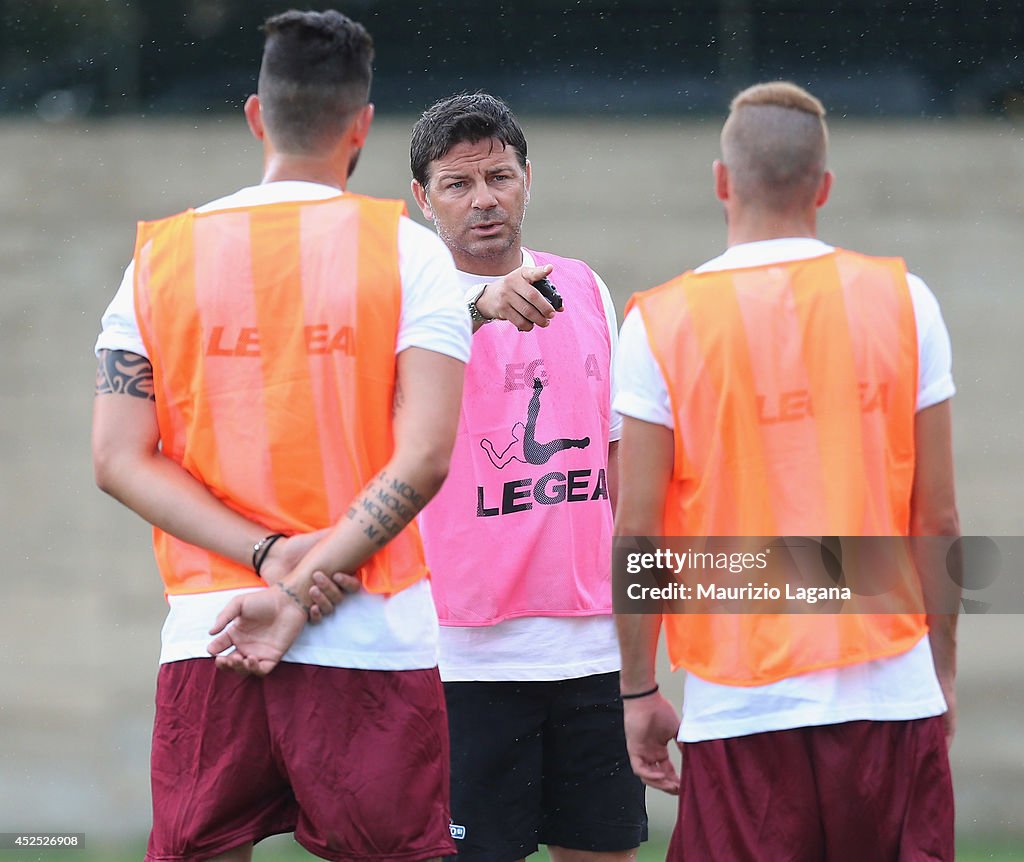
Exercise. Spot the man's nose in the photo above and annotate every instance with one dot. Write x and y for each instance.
(483, 198)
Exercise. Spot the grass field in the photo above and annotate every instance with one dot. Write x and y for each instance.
(283, 849)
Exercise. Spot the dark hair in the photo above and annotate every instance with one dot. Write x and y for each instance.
(468, 117)
(315, 75)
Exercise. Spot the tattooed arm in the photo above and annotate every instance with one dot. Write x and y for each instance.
(129, 466)
(425, 422)
(121, 372)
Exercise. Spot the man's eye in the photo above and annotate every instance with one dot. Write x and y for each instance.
(458, 184)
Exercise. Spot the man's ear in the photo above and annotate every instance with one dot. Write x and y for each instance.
(254, 117)
(529, 179)
(420, 194)
(825, 189)
(721, 174)
(361, 125)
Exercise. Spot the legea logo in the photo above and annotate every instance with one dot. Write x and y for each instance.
(458, 832)
(525, 447)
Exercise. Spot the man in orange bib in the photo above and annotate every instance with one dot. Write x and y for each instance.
(789, 388)
(278, 391)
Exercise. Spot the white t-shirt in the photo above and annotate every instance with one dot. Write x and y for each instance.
(367, 630)
(899, 688)
(535, 648)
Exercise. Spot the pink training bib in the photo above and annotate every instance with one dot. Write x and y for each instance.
(522, 525)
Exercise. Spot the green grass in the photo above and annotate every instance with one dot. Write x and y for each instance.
(283, 849)
(991, 853)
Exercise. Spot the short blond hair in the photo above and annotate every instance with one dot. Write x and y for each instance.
(774, 144)
(781, 94)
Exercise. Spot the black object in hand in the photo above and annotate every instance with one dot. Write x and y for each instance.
(547, 290)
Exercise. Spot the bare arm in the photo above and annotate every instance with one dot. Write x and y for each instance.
(933, 512)
(267, 623)
(646, 457)
(129, 465)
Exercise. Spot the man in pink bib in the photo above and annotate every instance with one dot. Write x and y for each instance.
(519, 538)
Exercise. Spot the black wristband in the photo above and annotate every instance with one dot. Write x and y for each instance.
(649, 691)
(262, 548)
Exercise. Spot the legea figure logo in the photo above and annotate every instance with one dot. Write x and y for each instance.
(458, 832)
(524, 446)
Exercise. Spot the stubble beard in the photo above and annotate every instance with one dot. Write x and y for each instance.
(481, 249)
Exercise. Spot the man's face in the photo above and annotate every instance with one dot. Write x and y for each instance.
(476, 196)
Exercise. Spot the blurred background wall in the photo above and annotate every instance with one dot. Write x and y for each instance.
(115, 111)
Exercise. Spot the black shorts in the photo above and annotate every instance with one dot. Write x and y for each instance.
(541, 763)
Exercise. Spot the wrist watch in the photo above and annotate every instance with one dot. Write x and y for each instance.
(474, 312)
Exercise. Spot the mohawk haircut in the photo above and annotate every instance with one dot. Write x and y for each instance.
(774, 144)
(314, 77)
(467, 117)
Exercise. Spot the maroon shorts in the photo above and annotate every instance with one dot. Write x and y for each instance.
(355, 762)
(878, 790)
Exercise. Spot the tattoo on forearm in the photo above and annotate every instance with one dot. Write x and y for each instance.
(294, 596)
(122, 373)
(399, 399)
(385, 507)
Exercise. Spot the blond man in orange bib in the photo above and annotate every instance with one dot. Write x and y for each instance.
(790, 388)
